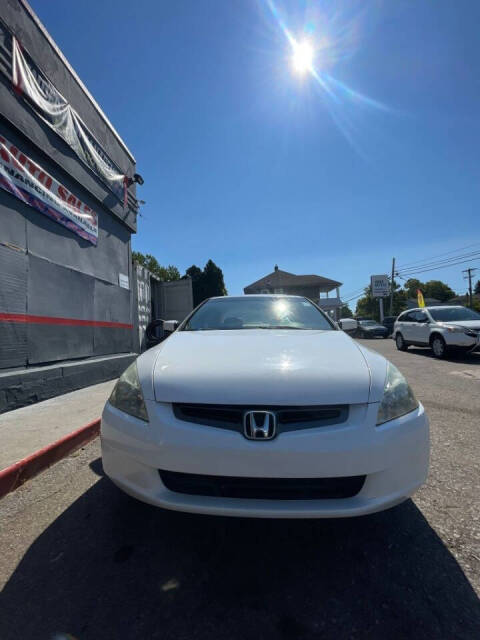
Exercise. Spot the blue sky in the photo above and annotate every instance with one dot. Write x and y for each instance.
(251, 164)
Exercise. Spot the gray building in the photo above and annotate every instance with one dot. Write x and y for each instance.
(68, 209)
(316, 288)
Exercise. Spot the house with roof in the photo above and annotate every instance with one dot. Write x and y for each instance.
(316, 288)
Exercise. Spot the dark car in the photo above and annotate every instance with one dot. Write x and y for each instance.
(388, 322)
(371, 329)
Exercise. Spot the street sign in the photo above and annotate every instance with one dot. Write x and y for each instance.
(380, 286)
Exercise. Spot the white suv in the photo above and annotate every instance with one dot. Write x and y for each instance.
(440, 328)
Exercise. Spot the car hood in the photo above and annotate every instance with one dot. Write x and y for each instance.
(466, 324)
(276, 367)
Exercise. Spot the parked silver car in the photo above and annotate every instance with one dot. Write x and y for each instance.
(440, 328)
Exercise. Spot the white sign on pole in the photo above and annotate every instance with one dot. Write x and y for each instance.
(380, 286)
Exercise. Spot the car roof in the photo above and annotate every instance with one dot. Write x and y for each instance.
(437, 306)
(447, 306)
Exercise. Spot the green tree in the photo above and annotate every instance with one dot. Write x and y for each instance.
(165, 274)
(206, 283)
(369, 306)
(346, 312)
(411, 286)
(438, 290)
(214, 282)
(196, 274)
(476, 290)
(431, 289)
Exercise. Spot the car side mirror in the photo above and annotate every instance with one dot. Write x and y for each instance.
(169, 326)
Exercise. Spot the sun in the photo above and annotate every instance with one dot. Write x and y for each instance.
(302, 58)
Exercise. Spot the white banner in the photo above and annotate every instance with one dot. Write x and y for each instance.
(26, 180)
(52, 107)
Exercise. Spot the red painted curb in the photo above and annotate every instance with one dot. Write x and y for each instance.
(16, 474)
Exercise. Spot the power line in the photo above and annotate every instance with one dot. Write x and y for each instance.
(354, 298)
(352, 293)
(424, 266)
(440, 263)
(416, 262)
(443, 261)
(445, 266)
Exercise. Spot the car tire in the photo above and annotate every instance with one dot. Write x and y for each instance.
(400, 342)
(438, 346)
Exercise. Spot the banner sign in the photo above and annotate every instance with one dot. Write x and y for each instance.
(26, 180)
(52, 108)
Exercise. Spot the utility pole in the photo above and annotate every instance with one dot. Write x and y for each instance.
(391, 287)
(469, 275)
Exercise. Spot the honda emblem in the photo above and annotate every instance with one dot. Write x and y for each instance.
(259, 425)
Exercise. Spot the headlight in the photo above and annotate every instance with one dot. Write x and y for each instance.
(398, 398)
(127, 394)
(452, 328)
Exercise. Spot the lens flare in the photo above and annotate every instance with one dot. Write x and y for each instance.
(280, 308)
(331, 36)
(302, 58)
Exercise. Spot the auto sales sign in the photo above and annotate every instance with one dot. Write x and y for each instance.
(26, 180)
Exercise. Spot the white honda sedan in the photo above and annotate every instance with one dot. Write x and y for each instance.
(258, 406)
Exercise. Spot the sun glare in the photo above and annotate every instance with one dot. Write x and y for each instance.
(280, 307)
(302, 59)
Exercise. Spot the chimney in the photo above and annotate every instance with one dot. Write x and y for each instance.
(276, 267)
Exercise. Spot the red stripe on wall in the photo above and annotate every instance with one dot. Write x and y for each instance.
(68, 322)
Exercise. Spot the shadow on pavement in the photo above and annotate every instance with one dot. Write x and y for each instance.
(452, 356)
(112, 568)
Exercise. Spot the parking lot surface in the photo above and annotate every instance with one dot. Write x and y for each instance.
(79, 557)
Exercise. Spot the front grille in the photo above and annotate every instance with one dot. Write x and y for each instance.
(262, 488)
(288, 418)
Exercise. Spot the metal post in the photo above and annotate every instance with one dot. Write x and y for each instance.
(380, 302)
(391, 287)
(470, 271)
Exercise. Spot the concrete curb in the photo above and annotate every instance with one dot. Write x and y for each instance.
(18, 473)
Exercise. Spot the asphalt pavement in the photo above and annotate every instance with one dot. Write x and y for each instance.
(79, 557)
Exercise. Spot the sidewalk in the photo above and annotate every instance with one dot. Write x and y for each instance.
(24, 431)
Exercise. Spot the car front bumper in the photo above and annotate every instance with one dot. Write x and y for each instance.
(462, 341)
(394, 457)
(377, 333)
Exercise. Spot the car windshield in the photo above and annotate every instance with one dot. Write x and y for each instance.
(253, 312)
(454, 314)
(367, 323)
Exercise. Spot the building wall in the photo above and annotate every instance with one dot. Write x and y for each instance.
(59, 294)
(15, 19)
